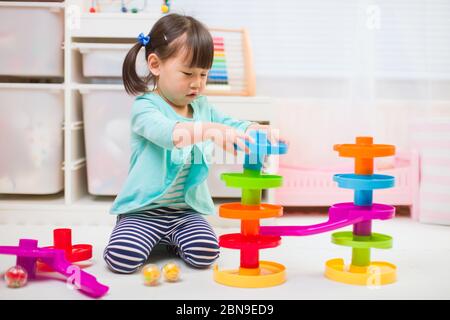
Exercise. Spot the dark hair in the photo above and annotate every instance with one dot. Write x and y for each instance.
(163, 42)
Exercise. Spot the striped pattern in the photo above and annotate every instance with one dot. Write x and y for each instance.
(135, 235)
(174, 197)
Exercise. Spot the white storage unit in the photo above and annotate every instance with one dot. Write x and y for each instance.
(31, 38)
(31, 139)
(105, 59)
(95, 118)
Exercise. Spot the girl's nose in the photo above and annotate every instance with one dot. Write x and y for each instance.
(195, 84)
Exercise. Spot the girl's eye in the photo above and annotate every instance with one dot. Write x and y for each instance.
(188, 73)
(203, 75)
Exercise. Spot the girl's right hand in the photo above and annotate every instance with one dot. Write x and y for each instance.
(227, 137)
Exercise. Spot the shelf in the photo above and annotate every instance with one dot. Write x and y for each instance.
(24, 85)
(94, 45)
(114, 25)
(52, 211)
(10, 202)
(93, 203)
(83, 87)
(261, 102)
(28, 4)
(84, 31)
(115, 16)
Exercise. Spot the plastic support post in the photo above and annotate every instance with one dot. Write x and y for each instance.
(28, 263)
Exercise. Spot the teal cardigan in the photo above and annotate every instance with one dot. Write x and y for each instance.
(155, 161)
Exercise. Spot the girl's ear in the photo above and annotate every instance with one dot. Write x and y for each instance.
(154, 64)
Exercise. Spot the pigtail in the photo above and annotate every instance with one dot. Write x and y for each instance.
(134, 85)
(162, 41)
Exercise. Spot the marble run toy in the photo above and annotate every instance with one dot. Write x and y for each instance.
(28, 253)
(360, 214)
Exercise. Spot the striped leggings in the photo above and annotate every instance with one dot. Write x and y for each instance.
(135, 235)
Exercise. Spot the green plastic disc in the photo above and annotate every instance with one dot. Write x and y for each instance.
(376, 240)
(240, 180)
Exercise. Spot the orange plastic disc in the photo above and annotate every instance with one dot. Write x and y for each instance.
(236, 210)
(364, 148)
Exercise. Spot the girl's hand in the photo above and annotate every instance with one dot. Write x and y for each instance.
(272, 134)
(227, 137)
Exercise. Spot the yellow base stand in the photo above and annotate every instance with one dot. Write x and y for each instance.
(270, 274)
(377, 273)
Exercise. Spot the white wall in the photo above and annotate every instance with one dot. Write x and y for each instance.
(343, 68)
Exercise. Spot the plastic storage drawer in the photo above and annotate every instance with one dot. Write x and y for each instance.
(106, 116)
(31, 140)
(31, 41)
(105, 59)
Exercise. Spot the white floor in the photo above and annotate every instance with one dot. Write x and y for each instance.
(421, 253)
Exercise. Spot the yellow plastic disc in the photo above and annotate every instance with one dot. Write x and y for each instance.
(376, 274)
(270, 274)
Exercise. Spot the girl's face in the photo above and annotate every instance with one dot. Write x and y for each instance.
(179, 83)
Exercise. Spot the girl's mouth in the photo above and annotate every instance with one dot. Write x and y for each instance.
(192, 95)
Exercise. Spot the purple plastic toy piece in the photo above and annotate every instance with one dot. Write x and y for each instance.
(28, 252)
(340, 215)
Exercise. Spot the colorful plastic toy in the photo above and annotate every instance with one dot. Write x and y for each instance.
(360, 214)
(28, 253)
(165, 7)
(16, 277)
(171, 272)
(62, 239)
(99, 6)
(218, 75)
(92, 8)
(151, 274)
(252, 272)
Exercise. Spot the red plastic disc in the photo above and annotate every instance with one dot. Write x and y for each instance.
(239, 241)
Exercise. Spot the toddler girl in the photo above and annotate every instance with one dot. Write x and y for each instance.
(173, 131)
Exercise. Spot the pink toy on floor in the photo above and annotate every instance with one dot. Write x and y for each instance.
(28, 253)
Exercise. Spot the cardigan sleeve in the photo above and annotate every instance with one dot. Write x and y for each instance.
(218, 116)
(149, 122)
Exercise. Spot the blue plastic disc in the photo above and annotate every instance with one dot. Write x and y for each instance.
(364, 182)
(260, 149)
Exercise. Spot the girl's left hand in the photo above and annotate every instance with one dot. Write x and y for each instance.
(272, 134)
